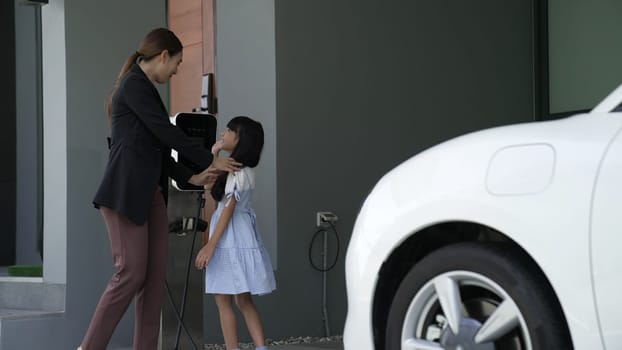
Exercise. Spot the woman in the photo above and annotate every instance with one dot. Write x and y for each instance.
(132, 194)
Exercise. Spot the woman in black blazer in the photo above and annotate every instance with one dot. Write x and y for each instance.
(132, 194)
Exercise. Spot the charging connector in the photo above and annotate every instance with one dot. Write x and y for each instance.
(322, 218)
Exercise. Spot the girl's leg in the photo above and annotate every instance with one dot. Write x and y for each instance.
(128, 242)
(251, 317)
(228, 323)
(149, 298)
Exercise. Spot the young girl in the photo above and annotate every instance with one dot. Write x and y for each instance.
(236, 262)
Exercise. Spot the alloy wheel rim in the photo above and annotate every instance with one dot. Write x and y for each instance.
(463, 310)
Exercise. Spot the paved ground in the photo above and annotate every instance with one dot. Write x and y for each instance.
(315, 346)
(333, 345)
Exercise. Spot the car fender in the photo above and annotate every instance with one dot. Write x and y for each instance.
(452, 182)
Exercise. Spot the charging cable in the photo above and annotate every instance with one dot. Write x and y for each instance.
(322, 231)
(325, 266)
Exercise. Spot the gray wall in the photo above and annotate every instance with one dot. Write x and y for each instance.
(361, 86)
(584, 45)
(97, 37)
(246, 86)
(100, 35)
(54, 83)
(245, 78)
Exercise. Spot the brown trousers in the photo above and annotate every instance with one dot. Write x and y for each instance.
(140, 255)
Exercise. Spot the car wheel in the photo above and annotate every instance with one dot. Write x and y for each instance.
(475, 296)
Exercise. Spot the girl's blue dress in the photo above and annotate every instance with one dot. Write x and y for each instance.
(240, 262)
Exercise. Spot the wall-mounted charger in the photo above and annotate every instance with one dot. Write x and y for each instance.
(322, 218)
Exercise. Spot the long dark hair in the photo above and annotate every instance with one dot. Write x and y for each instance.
(153, 44)
(247, 151)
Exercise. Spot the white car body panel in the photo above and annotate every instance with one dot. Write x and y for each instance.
(605, 239)
(530, 182)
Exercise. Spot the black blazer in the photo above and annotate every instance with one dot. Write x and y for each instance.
(140, 159)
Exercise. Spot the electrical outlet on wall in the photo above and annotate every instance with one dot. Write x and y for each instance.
(322, 218)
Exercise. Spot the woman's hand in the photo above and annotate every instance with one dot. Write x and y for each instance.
(204, 256)
(205, 178)
(225, 164)
(221, 163)
(216, 147)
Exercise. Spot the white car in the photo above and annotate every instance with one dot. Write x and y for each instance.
(508, 239)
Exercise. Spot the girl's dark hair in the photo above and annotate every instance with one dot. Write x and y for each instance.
(153, 44)
(247, 151)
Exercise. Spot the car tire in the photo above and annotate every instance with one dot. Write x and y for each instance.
(495, 293)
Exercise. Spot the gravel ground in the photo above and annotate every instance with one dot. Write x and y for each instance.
(280, 342)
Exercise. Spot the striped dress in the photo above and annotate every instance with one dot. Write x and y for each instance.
(240, 262)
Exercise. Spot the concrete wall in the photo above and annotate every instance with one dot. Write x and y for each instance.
(246, 86)
(584, 52)
(84, 46)
(245, 78)
(361, 85)
(100, 35)
(54, 81)
(346, 90)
